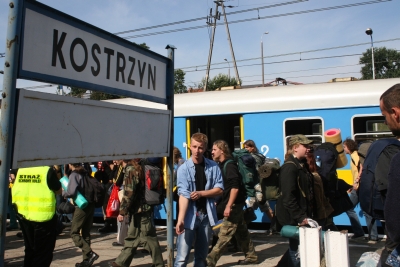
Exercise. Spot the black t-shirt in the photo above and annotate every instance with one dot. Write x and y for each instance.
(232, 179)
(201, 181)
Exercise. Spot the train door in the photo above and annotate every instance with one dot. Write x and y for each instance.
(225, 127)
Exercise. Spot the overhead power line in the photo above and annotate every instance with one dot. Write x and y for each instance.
(203, 18)
(283, 61)
(265, 17)
(294, 53)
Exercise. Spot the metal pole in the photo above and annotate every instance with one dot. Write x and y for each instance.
(262, 57)
(230, 44)
(170, 210)
(373, 65)
(262, 60)
(7, 110)
(229, 69)
(211, 45)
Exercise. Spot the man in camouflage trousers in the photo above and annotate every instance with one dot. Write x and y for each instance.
(231, 208)
(141, 229)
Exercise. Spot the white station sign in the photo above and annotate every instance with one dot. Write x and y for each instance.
(60, 49)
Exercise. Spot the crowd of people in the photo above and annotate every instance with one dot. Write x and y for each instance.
(209, 191)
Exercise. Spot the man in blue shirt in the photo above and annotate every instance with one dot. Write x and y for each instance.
(199, 181)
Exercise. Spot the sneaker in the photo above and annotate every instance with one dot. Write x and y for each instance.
(247, 262)
(84, 263)
(354, 237)
(113, 264)
(116, 244)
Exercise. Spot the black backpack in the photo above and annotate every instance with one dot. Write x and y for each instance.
(326, 156)
(94, 191)
(335, 189)
(154, 192)
(370, 191)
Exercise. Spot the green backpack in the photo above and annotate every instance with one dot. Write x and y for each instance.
(247, 168)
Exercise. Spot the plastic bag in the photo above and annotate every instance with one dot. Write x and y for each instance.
(369, 259)
(112, 210)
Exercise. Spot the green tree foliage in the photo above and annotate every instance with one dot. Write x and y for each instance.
(179, 85)
(144, 45)
(221, 80)
(77, 92)
(387, 63)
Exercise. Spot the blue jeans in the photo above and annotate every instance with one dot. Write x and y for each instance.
(354, 220)
(293, 252)
(201, 232)
(374, 230)
(394, 258)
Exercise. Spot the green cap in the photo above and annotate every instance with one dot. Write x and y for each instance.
(299, 139)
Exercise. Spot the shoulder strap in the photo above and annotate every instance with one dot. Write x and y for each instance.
(375, 151)
(229, 160)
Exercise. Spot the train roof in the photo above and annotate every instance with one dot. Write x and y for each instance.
(276, 98)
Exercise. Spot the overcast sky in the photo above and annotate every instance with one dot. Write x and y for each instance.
(287, 34)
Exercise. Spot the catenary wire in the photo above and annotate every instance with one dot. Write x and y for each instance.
(203, 18)
(265, 17)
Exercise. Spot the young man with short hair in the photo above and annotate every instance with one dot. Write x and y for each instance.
(199, 181)
(231, 209)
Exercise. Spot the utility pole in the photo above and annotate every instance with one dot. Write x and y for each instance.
(230, 44)
(214, 26)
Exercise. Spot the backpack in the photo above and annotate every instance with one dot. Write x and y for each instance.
(94, 191)
(154, 192)
(269, 180)
(369, 192)
(247, 168)
(335, 189)
(326, 157)
(362, 152)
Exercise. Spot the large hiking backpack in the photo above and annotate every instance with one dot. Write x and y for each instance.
(269, 180)
(94, 191)
(247, 168)
(369, 191)
(335, 189)
(325, 158)
(154, 192)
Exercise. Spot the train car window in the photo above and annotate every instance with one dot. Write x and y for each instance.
(310, 127)
(370, 127)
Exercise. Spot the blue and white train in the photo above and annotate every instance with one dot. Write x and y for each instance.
(270, 115)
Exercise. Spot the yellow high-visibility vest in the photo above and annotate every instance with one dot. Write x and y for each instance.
(31, 195)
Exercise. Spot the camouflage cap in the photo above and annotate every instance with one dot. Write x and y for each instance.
(299, 139)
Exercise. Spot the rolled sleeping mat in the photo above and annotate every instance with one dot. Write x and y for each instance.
(291, 231)
(79, 200)
(334, 136)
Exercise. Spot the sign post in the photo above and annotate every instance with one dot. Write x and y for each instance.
(46, 45)
(7, 111)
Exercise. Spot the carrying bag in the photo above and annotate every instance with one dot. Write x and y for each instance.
(371, 191)
(154, 193)
(94, 191)
(65, 208)
(247, 168)
(112, 210)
